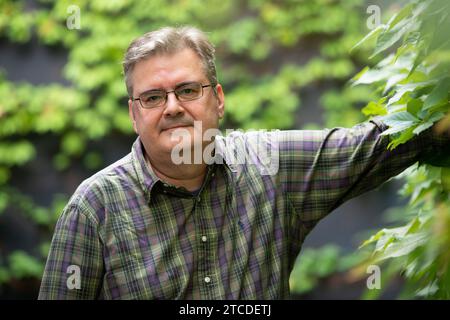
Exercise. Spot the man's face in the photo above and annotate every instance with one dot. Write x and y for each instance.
(155, 126)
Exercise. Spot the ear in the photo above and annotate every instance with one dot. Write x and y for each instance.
(221, 101)
(132, 115)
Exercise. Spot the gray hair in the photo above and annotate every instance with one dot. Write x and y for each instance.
(169, 40)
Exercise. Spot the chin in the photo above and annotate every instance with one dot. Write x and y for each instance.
(168, 143)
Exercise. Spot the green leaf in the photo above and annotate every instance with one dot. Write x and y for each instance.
(438, 95)
(399, 121)
(414, 106)
(373, 238)
(422, 127)
(374, 109)
(401, 15)
(41, 216)
(371, 35)
(391, 36)
(413, 226)
(22, 265)
(73, 143)
(414, 90)
(405, 136)
(17, 153)
(359, 74)
(406, 245)
(429, 290)
(368, 76)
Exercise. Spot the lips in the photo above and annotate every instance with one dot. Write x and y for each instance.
(176, 127)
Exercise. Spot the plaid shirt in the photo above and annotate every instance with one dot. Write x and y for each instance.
(135, 237)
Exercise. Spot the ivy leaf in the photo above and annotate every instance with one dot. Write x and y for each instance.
(399, 26)
(429, 290)
(390, 37)
(23, 265)
(402, 14)
(429, 123)
(404, 137)
(374, 109)
(373, 238)
(414, 106)
(399, 121)
(414, 226)
(438, 95)
(406, 245)
(422, 127)
(371, 35)
(415, 90)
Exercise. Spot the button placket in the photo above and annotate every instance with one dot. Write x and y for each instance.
(206, 242)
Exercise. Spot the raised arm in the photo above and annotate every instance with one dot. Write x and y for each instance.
(321, 169)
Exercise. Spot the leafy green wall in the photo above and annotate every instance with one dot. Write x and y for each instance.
(270, 54)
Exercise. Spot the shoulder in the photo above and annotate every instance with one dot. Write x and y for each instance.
(93, 193)
(257, 149)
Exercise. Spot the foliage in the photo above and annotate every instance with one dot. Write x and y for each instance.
(314, 265)
(414, 84)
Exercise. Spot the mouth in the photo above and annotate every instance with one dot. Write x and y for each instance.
(176, 127)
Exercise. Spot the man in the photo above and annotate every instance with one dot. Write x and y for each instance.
(208, 227)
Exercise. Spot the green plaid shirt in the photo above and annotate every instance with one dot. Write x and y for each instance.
(134, 237)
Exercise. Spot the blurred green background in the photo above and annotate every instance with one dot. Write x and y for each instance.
(64, 115)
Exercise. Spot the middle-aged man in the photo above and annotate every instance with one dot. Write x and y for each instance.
(211, 226)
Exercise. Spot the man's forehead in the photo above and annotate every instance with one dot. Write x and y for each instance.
(183, 57)
(166, 69)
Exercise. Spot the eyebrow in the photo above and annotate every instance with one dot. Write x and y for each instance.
(176, 86)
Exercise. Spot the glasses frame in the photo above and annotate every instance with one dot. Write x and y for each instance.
(202, 86)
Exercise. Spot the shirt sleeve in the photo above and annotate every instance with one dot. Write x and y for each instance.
(321, 169)
(74, 268)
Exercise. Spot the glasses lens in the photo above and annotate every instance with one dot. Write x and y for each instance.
(152, 99)
(190, 91)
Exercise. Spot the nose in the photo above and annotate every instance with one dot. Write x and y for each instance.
(173, 107)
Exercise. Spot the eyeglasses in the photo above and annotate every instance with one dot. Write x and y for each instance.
(184, 92)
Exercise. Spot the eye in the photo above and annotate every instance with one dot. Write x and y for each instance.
(186, 91)
(151, 97)
(189, 91)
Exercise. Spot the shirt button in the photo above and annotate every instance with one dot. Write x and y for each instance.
(204, 238)
(207, 279)
(198, 199)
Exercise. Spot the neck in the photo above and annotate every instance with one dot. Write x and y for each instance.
(189, 176)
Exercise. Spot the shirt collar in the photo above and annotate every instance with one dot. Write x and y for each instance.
(147, 178)
(145, 174)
